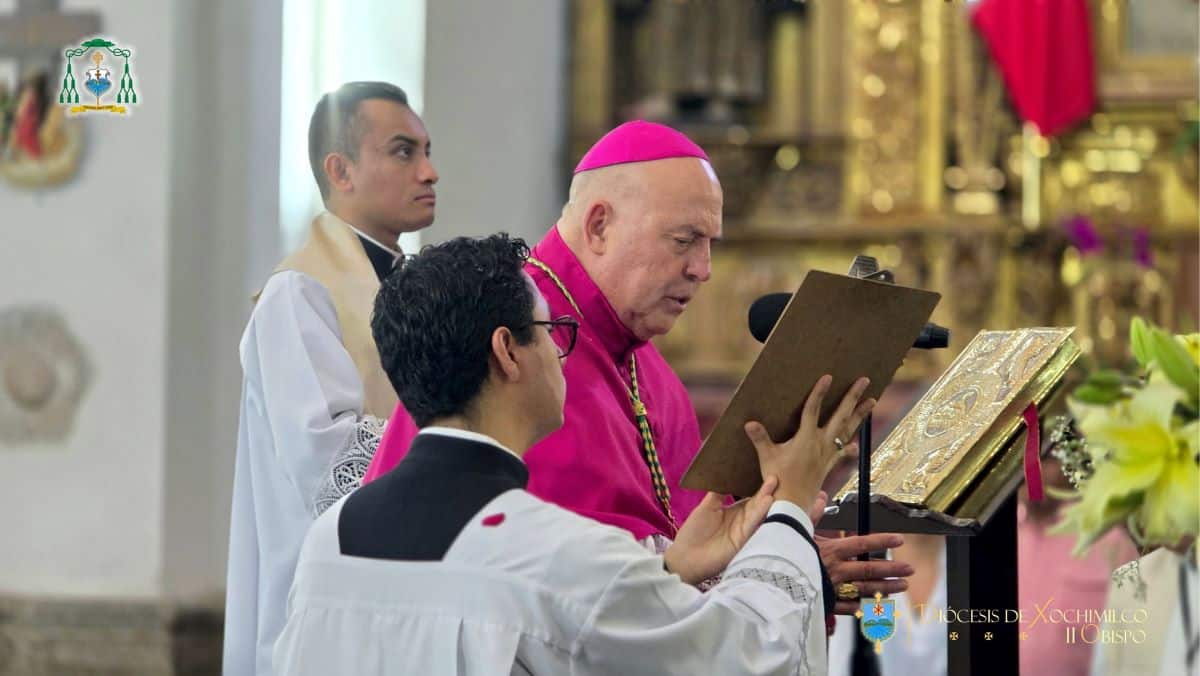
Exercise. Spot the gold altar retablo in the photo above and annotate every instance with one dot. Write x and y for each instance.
(956, 451)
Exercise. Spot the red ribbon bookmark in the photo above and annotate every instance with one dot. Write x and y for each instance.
(1033, 453)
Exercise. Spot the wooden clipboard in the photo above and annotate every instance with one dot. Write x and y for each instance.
(834, 324)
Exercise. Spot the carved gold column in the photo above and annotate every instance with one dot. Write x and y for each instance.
(932, 148)
(591, 66)
(786, 98)
(826, 107)
(896, 107)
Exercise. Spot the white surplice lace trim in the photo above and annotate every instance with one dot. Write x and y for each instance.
(349, 464)
(657, 543)
(799, 591)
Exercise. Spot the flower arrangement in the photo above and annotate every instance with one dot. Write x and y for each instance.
(1132, 450)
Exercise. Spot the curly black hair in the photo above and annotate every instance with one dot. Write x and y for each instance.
(435, 315)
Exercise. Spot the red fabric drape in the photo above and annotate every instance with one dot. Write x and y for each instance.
(1043, 49)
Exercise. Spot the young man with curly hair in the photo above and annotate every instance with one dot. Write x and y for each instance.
(447, 564)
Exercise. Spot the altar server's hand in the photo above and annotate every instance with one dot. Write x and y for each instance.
(713, 533)
(876, 575)
(802, 462)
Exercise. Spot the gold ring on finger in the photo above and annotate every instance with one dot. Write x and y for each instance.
(841, 445)
(848, 591)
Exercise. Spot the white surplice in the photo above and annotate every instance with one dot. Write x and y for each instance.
(545, 591)
(1157, 632)
(302, 402)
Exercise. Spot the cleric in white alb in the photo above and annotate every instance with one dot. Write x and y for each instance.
(313, 387)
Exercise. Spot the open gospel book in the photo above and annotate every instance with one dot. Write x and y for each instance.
(956, 451)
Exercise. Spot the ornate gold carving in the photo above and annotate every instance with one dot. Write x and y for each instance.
(741, 168)
(801, 189)
(1124, 167)
(842, 153)
(974, 263)
(1126, 75)
(896, 50)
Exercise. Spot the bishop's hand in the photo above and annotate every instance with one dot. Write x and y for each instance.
(713, 533)
(839, 554)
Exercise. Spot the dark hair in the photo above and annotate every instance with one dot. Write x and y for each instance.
(435, 315)
(336, 127)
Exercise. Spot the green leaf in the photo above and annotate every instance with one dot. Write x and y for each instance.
(1176, 364)
(1096, 394)
(1106, 378)
(1139, 342)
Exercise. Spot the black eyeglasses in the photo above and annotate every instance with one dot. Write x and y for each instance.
(564, 330)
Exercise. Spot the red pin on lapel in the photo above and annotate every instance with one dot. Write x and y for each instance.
(494, 519)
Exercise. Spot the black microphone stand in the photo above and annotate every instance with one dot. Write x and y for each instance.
(864, 482)
(931, 337)
(866, 267)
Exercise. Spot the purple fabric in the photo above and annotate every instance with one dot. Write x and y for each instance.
(1142, 251)
(638, 141)
(1083, 235)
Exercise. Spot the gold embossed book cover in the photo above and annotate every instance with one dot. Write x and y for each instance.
(955, 440)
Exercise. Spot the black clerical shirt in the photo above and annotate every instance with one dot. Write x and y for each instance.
(415, 511)
(382, 258)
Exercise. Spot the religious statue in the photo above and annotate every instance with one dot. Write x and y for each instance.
(40, 147)
(27, 119)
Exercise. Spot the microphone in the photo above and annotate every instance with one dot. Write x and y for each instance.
(765, 312)
(932, 337)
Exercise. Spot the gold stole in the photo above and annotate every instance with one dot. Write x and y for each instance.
(334, 256)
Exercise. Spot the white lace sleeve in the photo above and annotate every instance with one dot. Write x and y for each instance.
(800, 588)
(349, 464)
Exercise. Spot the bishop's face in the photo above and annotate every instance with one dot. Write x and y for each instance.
(392, 175)
(659, 250)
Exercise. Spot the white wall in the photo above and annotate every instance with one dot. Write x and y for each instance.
(151, 253)
(82, 517)
(495, 108)
(225, 239)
